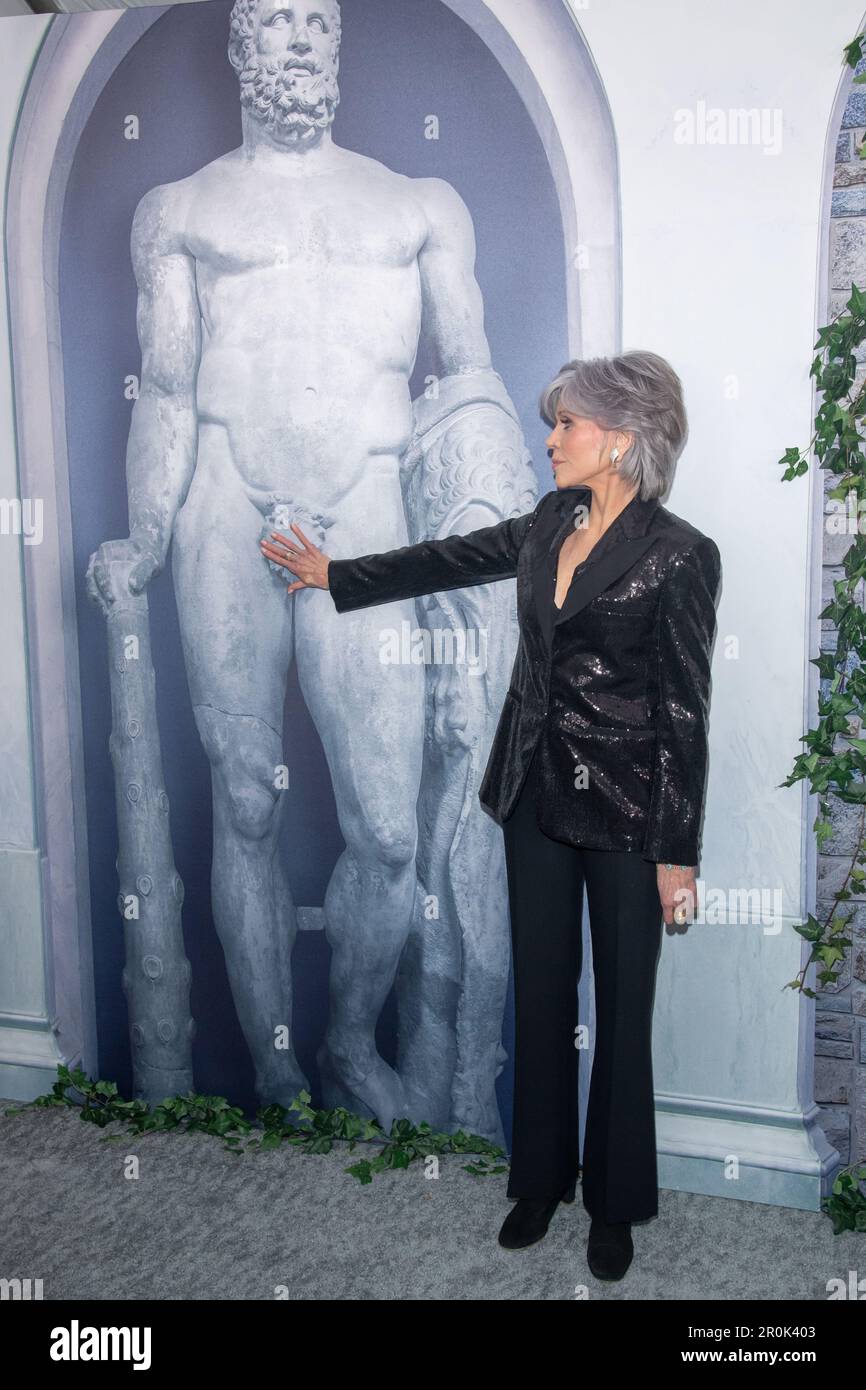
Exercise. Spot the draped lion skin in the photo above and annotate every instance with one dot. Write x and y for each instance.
(282, 289)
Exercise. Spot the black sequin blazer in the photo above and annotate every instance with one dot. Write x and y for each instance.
(612, 690)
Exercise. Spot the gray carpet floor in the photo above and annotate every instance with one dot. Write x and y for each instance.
(200, 1223)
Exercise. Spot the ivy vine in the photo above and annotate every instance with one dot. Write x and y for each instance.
(832, 769)
(829, 768)
(99, 1103)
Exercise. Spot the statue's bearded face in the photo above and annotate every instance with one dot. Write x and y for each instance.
(288, 69)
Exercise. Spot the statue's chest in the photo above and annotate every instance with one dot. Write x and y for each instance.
(302, 224)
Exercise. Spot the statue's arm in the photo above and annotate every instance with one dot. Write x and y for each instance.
(161, 450)
(453, 306)
(454, 562)
(467, 464)
(454, 315)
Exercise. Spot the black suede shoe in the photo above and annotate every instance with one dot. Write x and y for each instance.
(529, 1218)
(609, 1249)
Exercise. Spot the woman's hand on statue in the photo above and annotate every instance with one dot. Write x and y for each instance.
(678, 891)
(310, 564)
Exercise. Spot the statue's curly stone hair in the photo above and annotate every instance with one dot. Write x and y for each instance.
(241, 23)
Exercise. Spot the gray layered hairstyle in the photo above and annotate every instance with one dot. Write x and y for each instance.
(637, 391)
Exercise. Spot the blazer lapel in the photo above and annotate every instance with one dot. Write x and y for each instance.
(618, 552)
(558, 523)
(598, 577)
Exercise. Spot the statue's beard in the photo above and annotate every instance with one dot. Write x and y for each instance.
(288, 103)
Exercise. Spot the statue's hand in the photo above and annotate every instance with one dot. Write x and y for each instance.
(450, 709)
(140, 556)
(460, 683)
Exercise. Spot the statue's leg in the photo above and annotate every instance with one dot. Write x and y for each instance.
(370, 717)
(252, 903)
(236, 628)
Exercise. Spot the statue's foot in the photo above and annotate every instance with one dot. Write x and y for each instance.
(378, 1095)
(283, 1086)
(480, 1116)
(430, 1103)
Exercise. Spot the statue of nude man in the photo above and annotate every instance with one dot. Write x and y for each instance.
(281, 290)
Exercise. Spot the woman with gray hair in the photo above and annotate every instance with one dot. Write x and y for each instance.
(596, 772)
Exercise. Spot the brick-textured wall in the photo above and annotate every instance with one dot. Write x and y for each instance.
(840, 1026)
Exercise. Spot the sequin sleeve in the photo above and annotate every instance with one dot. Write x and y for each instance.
(455, 562)
(687, 623)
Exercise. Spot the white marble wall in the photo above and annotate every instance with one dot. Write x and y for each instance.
(29, 1051)
(723, 272)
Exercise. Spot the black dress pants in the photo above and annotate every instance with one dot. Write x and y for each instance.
(545, 888)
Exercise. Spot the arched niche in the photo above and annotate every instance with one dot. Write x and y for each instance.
(540, 48)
